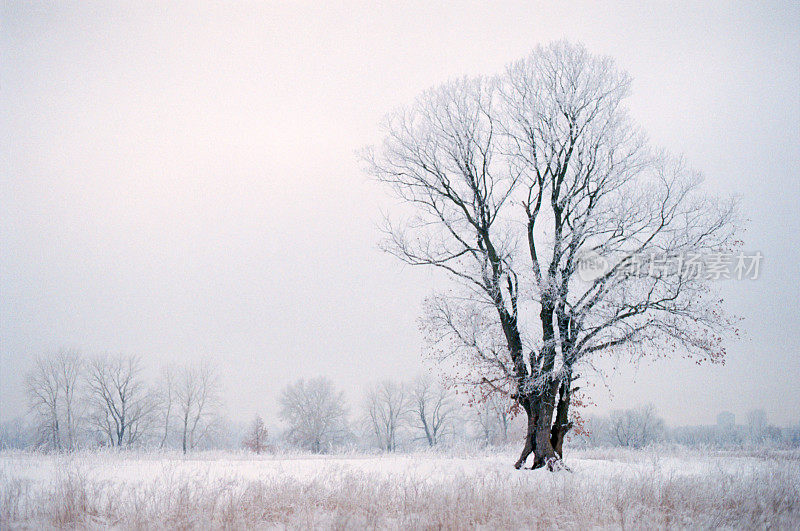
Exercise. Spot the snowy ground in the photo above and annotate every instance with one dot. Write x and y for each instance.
(605, 488)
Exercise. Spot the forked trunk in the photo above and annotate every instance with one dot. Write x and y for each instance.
(545, 435)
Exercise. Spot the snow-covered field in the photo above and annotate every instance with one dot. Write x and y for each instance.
(606, 488)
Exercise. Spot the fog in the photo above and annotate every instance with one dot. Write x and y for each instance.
(182, 183)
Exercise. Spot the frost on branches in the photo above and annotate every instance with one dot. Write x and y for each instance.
(514, 181)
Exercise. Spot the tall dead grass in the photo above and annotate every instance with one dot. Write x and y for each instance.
(764, 496)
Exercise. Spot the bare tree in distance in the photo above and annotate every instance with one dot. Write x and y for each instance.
(122, 405)
(433, 409)
(197, 395)
(386, 407)
(165, 397)
(503, 413)
(315, 413)
(257, 436)
(492, 416)
(51, 389)
(43, 390)
(515, 180)
(17, 434)
(485, 422)
(637, 427)
(598, 431)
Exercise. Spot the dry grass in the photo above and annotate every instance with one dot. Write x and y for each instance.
(646, 492)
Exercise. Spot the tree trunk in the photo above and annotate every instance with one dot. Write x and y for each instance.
(529, 435)
(185, 428)
(544, 435)
(545, 402)
(562, 424)
(543, 447)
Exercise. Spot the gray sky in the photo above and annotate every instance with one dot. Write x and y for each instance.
(181, 182)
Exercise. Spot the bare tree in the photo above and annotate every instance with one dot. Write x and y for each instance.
(492, 417)
(636, 427)
(197, 391)
(386, 407)
(315, 413)
(51, 388)
(516, 182)
(44, 397)
(433, 409)
(503, 413)
(16, 434)
(598, 431)
(122, 404)
(165, 396)
(257, 436)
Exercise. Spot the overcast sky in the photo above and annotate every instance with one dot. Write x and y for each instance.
(181, 183)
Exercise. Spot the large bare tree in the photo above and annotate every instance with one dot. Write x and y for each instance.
(197, 397)
(122, 404)
(386, 408)
(315, 412)
(636, 427)
(52, 388)
(516, 182)
(433, 409)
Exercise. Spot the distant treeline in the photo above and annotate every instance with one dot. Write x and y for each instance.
(81, 402)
